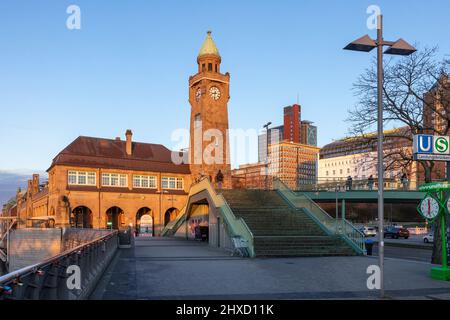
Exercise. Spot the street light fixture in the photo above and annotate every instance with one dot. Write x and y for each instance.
(266, 126)
(399, 47)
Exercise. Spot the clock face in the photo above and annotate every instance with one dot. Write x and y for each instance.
(214, 92)
(429, 208)
(198, 94)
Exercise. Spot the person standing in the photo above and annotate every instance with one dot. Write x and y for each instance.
(404, 181)
(370, 183)
(349, 183)
(219, 179)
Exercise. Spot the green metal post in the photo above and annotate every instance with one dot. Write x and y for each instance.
(442, 273)
(443, 233)
(343, 209)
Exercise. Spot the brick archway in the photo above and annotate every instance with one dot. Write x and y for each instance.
(115, 218)
(81, 217)
(147, 227)
(170, 214)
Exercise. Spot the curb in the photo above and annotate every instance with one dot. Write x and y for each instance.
(405, 245)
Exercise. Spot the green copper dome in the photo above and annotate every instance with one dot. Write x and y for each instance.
(209, 47)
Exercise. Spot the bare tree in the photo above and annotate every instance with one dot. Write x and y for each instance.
(416, 98)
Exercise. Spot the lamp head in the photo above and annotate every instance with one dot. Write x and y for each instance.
(365, 44)
(401, 48)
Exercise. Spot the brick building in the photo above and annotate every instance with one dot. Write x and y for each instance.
(107, 183)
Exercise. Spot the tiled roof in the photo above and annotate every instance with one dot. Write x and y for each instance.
(108, 153)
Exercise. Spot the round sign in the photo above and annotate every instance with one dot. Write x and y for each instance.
(429, 208)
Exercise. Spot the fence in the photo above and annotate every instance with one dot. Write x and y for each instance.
(324, 184)
(54, 280)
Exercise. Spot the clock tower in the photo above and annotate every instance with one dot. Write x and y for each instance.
(208, 96)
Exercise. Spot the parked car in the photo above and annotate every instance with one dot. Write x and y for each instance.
(429, 238)
(396, 232)
(368, 231)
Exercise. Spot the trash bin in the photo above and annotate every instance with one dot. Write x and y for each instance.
(125, 238)
(369, 246)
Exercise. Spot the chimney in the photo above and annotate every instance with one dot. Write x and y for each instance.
(129, 143)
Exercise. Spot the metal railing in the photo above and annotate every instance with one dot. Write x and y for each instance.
(332, 226)
(238, 227)
(332, 184)
(49, 280)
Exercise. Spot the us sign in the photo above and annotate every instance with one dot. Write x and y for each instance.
(429, 147)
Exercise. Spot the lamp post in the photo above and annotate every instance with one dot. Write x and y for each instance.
(266, 126)
(399, 47)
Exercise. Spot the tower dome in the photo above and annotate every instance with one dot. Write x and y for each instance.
(208, 47)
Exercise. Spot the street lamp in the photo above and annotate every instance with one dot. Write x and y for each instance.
(266, 126)
(399, 47)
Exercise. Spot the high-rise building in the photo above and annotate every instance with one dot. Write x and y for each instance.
(294, 130)
(292, 123)
(293, 154)
(275, 136)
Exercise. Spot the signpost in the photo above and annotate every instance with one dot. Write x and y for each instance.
(436, 206)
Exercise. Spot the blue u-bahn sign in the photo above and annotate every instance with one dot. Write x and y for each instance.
(429, 147)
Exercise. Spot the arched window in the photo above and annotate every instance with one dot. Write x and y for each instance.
(209, 66)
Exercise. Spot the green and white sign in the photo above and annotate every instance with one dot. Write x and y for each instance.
(441, 145)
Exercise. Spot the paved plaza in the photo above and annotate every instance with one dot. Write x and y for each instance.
(164, 268)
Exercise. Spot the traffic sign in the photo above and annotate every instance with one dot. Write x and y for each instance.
(429, 147)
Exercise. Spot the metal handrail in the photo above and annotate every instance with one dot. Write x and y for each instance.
(332, 226)
(31, 269)
(238, 226)
(47, 279)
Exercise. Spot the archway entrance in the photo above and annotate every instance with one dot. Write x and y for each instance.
(170, 214)
(81, 217)
(144, 222)
(115, 218)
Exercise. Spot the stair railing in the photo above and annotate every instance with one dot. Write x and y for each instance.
(330, 225)
(236, 226)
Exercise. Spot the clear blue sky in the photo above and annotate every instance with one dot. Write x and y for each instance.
(128, 66)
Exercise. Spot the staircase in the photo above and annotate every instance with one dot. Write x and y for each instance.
(280, 230)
